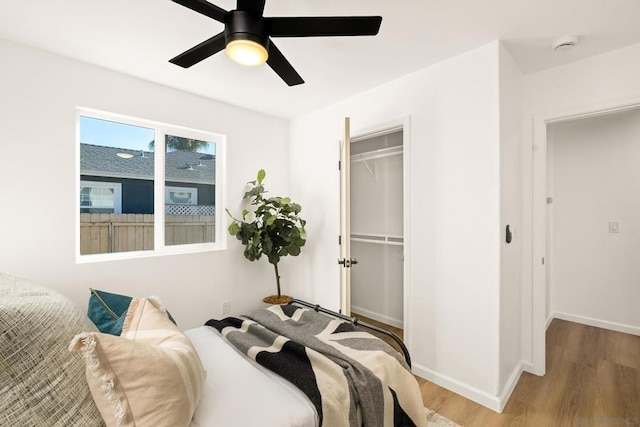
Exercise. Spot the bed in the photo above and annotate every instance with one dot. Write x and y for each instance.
(328, 345)
(229, 372)
(234, 380)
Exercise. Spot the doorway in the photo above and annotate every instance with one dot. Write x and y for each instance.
(377, 199)
(601, 221)
(377, 242)
(592, 168)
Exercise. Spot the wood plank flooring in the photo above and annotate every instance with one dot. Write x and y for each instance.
(592, 379)
(399, 332)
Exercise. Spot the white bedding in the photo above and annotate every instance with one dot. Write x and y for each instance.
(239, 392)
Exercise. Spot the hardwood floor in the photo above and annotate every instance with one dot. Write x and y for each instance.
(592, 379)
(399, 332)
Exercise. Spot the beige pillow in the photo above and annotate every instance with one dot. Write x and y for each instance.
(149, 376)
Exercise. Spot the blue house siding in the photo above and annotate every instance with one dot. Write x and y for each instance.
(137, 194)
(184, 169)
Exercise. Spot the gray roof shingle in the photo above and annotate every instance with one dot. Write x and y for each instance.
(181, 166)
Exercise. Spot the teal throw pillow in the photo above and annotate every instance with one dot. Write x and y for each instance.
(107, 311)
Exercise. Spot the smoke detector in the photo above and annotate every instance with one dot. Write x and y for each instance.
(564, 43)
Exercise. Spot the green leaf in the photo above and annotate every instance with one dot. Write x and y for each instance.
(270, 220)
(234, 228)
(251, 253)
(247, 230)
(274, 201)
(294, 250)
(254, 192)
(274, 258)
(295, 207)
(261, 175)
(244, 214)
(267, 245)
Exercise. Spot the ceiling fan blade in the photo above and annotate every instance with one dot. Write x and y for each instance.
(323, 26)
(282, 67)
(254, 6)
(202, 51)
(205, 8)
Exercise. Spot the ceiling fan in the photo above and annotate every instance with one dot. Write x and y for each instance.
(246, 35)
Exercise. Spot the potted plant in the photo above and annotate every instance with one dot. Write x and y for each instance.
(276, 230)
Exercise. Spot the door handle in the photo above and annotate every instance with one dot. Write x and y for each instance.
(347, 263)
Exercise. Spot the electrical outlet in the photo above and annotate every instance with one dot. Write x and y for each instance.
(226, 307)
(614, 226)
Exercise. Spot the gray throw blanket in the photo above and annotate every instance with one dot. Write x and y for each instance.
(352, 378)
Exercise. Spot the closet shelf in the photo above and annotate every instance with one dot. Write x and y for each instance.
(379, 239)
(376, 154)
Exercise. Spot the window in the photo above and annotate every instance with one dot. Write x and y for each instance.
(146, 188)
(100, 197)
(181, 196)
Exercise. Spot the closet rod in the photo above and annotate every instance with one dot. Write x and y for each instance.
(377, 242)
(377, 238)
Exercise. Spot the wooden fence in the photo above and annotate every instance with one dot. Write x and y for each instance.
(106, 233)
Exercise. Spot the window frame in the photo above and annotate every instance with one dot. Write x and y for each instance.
(169, 188)
(117, 193)
(160, 130)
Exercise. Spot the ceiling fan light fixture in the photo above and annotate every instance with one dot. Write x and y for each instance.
(247, 35)
(247, 52)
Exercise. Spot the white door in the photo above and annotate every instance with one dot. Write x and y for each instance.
(345, 221)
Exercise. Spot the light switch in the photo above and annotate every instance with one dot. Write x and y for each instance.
(614, 226)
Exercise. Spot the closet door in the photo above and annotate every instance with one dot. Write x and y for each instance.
(376, 205)
(345, 221)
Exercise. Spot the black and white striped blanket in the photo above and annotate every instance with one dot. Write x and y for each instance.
(351, 377)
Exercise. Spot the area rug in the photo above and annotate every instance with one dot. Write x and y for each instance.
(436, 420)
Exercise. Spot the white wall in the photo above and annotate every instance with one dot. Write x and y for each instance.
(596, 83)
(595, 167)
(39, 94)
(511, 214)
(453, 312)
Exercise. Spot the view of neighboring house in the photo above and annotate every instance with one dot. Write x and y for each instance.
(116, 180)
(117, 199)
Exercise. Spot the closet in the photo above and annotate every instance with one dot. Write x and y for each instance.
(377, 244)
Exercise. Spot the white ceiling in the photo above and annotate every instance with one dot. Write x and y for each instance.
(138, 37)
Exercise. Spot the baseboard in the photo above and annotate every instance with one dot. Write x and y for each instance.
(618, 327)
(528, 367)
(549, 320)
(510, 385)
(479, 396)
(377, 316)
(495, 403)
